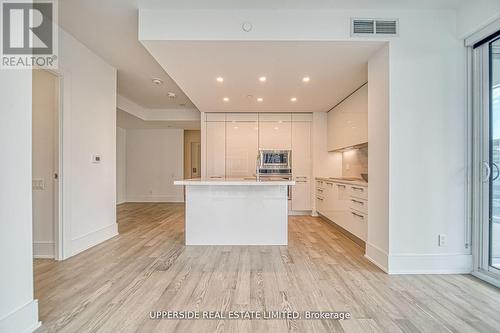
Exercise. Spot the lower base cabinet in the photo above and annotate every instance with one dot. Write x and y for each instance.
(344, 204)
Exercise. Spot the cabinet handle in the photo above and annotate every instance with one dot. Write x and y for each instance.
(331, 184)
(319, 190)
(300, 177)
(358, 202)
(358, 215)
(301, 181)
(358, 189)
(340, 185)
(320, 199)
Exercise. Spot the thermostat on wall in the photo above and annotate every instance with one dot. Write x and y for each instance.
(96, 159)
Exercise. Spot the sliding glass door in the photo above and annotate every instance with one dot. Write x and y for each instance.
(486, 159)
(494, 91)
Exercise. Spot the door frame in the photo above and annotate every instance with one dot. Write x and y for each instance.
(58, 190)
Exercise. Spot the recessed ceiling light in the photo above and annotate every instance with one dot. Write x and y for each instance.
(226, 99)
(157, 81)
(262, 79)
(220, 79)
(293, 99)
(306, 79)
(171, 95)
(260, 99)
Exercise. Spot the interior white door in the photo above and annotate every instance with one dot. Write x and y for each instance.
(241, 148)
(216, 149)
(44, 162)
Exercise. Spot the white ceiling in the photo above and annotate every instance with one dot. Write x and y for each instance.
(335, 69)
(109, 28)
(126, 120)
(301, 4)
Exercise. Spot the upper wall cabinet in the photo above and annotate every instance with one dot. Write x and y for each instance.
(348, 121)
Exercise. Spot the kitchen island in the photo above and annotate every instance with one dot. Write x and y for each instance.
(236, 211)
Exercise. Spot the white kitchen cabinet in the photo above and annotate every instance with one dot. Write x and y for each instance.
(275, 135)
(242, 139)
(301, 165)
(216, 149)
(348, 121)
(340, 206)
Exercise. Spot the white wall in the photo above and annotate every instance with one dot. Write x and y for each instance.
(474, 15)
(428, 147)
(44, 125)
(155, 158)
(121, 165)
(377, 246)
(18, 309)
(89, 127)
(427, 114)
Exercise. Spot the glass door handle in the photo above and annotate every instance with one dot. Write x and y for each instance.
(497, 170)
(488, 171)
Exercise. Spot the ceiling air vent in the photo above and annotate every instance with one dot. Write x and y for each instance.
(374, 27)
(363, 26)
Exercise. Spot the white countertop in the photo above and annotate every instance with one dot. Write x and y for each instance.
(344, 181)
(232, 182)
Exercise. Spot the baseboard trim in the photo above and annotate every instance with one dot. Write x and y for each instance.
(24, 319)
(155, 198)
(377, 256)
(430, 263)
(43, 250)
(91, 239)
(299, 213)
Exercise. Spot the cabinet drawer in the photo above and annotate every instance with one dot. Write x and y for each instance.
(320, 191)
(359, 224)
(359, 192)
(358, 205)
(320, 204)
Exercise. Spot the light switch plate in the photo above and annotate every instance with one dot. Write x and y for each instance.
(38, 185)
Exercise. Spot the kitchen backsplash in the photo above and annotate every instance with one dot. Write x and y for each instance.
(355, 162)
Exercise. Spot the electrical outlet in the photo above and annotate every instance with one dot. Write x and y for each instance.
(442, 240)
(96, 159)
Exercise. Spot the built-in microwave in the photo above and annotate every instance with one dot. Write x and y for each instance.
(274, 162)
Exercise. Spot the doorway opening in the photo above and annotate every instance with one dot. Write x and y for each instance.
(45, 164)
(192, 154)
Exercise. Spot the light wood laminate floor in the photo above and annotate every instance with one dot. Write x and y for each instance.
(113, 287)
